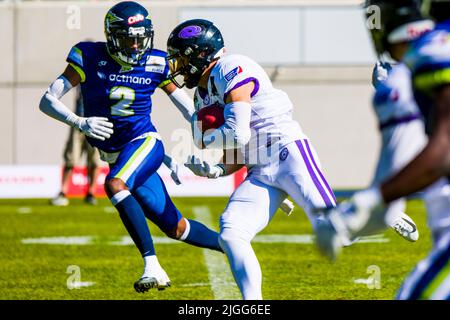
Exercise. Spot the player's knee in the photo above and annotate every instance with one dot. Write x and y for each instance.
(113, 186)
(228, 236)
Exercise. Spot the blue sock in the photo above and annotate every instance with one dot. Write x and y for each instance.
(134, 220)
(201, 236)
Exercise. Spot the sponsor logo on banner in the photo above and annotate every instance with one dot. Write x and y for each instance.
(29, 181)
(78, 183)
(45, 182)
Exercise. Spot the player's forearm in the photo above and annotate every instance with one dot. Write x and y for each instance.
(183, 103)
(235, 132)
(51, 105)
(433, 162)
(430, 165)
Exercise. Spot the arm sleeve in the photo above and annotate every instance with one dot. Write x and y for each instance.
(235, 132)
(183, 103)
(52, 106)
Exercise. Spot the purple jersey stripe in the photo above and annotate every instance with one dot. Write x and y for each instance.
(240, 84)
(314, 178)
(397, 121)
(320, 172)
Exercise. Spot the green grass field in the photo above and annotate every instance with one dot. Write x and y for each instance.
(291, 271)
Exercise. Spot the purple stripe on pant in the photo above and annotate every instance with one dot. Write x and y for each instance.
(315, 179)
(320, 172)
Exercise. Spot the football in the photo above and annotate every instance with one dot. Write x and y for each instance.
(210, 117)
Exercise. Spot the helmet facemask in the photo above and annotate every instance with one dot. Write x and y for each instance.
(130, 45)
(191, 65)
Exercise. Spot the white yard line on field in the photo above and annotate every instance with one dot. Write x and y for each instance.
(220, 277)
(24, 210)
(127, 241)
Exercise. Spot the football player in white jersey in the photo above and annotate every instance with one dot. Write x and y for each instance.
(428, 58)
(399, 118)
(258, 122)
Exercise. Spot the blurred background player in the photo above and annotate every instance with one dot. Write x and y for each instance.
(258, 122)
(118, 79)
(428, 59)
(400, 122)
(75, 147)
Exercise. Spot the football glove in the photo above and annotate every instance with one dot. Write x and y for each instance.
(94, 127)
(174, 167)
(380, 72)
(204, 169)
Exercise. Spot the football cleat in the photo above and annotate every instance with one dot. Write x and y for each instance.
(406, 227)
(287, 206)
(90, 199)
(327, 239)
(152, 279)
(60, 200)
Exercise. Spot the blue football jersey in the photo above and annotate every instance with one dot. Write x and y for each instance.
(429, 61)
(118, 91)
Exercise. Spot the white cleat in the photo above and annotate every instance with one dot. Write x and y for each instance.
(287, 206)
(156, 278)
(406, 228)
(60, 200)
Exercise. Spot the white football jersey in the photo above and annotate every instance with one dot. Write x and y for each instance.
(271, 119)
(394, 101)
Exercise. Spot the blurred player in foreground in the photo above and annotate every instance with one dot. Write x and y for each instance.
(257, 121)
(400, 121)
(428, 59)
(76, 146)
(117, 80)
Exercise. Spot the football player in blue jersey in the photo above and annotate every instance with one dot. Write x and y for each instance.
(428, 59)
(118, 78)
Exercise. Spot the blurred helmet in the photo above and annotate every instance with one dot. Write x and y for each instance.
(395, 21)
(439, 10)
(191, 47)
(129, 31)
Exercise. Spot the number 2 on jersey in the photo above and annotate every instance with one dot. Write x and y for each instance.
(126, 97)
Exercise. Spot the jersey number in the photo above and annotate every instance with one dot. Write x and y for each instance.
(126, 97)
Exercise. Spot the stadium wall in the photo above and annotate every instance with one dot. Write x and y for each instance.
(317, 51)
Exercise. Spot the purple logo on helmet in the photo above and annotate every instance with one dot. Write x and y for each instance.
(190, 32)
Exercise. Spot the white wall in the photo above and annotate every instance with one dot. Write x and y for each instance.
(324, 50)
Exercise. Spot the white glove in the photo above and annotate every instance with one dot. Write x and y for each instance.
(380, 72)
(203, 169)
(94, 127)
(287, 207)
(174, 167)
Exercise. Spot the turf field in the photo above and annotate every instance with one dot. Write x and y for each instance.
(83, 252)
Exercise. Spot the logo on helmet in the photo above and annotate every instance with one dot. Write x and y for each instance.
(190, 32)
(135, 19)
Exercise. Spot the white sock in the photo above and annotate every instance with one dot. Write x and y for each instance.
(150, 263)
(119, 197)
(243, 263)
